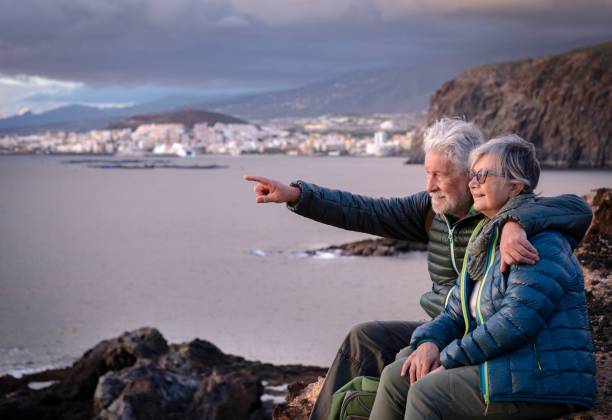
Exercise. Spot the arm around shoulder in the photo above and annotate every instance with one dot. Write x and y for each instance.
(568, 214)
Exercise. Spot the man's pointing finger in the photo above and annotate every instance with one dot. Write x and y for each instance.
(256, 179)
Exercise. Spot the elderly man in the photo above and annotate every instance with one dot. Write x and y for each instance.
(441, 217)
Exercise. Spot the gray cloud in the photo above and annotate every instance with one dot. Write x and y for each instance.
(276, 42)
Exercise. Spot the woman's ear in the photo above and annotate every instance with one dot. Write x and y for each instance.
(516, 189)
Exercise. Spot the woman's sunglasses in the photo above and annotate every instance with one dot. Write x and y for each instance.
(481, 175)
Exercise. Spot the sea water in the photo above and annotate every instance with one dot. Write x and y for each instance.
(87, 253)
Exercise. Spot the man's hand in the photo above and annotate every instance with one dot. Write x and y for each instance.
(515, 248)
(422, 361)
(271, 191)
(438, 369)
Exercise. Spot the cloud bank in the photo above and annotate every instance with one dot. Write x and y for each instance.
(217, 44)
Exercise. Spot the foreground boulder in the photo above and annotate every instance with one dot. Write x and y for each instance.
(138, 376)
(233, 395)
(301, 397)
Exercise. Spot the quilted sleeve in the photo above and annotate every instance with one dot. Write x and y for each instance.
(399, 218)
(444, 328)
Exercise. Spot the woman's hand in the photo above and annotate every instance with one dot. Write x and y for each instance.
(422, 361)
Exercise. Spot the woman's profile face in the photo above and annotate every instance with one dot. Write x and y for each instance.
(490, 195)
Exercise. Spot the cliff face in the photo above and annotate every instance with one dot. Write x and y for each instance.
(563, 104)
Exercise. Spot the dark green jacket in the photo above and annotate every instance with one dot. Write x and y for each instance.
(406, 218)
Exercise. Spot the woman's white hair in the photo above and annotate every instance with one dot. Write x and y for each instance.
(455, 138)
(516, 157)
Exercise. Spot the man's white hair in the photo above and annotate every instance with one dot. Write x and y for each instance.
(455, 138)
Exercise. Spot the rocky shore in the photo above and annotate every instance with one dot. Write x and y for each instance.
(381, 247)
(138, 375)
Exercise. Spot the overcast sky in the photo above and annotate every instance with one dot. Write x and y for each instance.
(112, 52)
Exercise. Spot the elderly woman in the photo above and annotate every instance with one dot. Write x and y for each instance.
(507, 345)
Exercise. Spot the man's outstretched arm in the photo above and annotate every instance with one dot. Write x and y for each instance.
(400, 218)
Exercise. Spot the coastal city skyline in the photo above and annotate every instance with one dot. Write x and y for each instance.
(375, 135)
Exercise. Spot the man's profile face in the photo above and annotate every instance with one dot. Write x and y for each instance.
(447, 185)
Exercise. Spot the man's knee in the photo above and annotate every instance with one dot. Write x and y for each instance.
(362, 330)
(363, 338)
(391, 378)
(420, 391)
(428, 395)
(404, 353)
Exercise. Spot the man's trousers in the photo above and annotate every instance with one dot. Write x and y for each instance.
(365, 351)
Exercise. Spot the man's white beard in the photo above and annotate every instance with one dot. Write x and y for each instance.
(448, 205)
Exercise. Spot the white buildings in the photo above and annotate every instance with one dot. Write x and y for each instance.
(175, 149)
(320, 136)
(381, 146)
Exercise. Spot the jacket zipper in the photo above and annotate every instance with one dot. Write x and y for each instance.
(462, 280)
(451, 240)
(485, 366)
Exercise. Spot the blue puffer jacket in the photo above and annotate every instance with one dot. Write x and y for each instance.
(531, 338)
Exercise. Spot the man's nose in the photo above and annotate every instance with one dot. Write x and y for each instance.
(431, 185)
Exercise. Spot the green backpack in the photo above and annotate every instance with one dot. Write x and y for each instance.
(354, 400)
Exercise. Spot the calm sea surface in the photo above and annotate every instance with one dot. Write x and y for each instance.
(86, 254)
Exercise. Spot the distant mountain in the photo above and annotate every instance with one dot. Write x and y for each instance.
(387, 90)
(561, 103)
(82, 118)
(187, 117)
(73, 117)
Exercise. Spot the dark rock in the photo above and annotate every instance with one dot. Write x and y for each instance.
(227, 396)
(381, 247)
(81, 380)
(138, 376)
(144, 391)
(202, 354)
(72, 396)
(300, 400)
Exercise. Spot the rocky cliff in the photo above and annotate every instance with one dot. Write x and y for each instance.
(562, 103)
